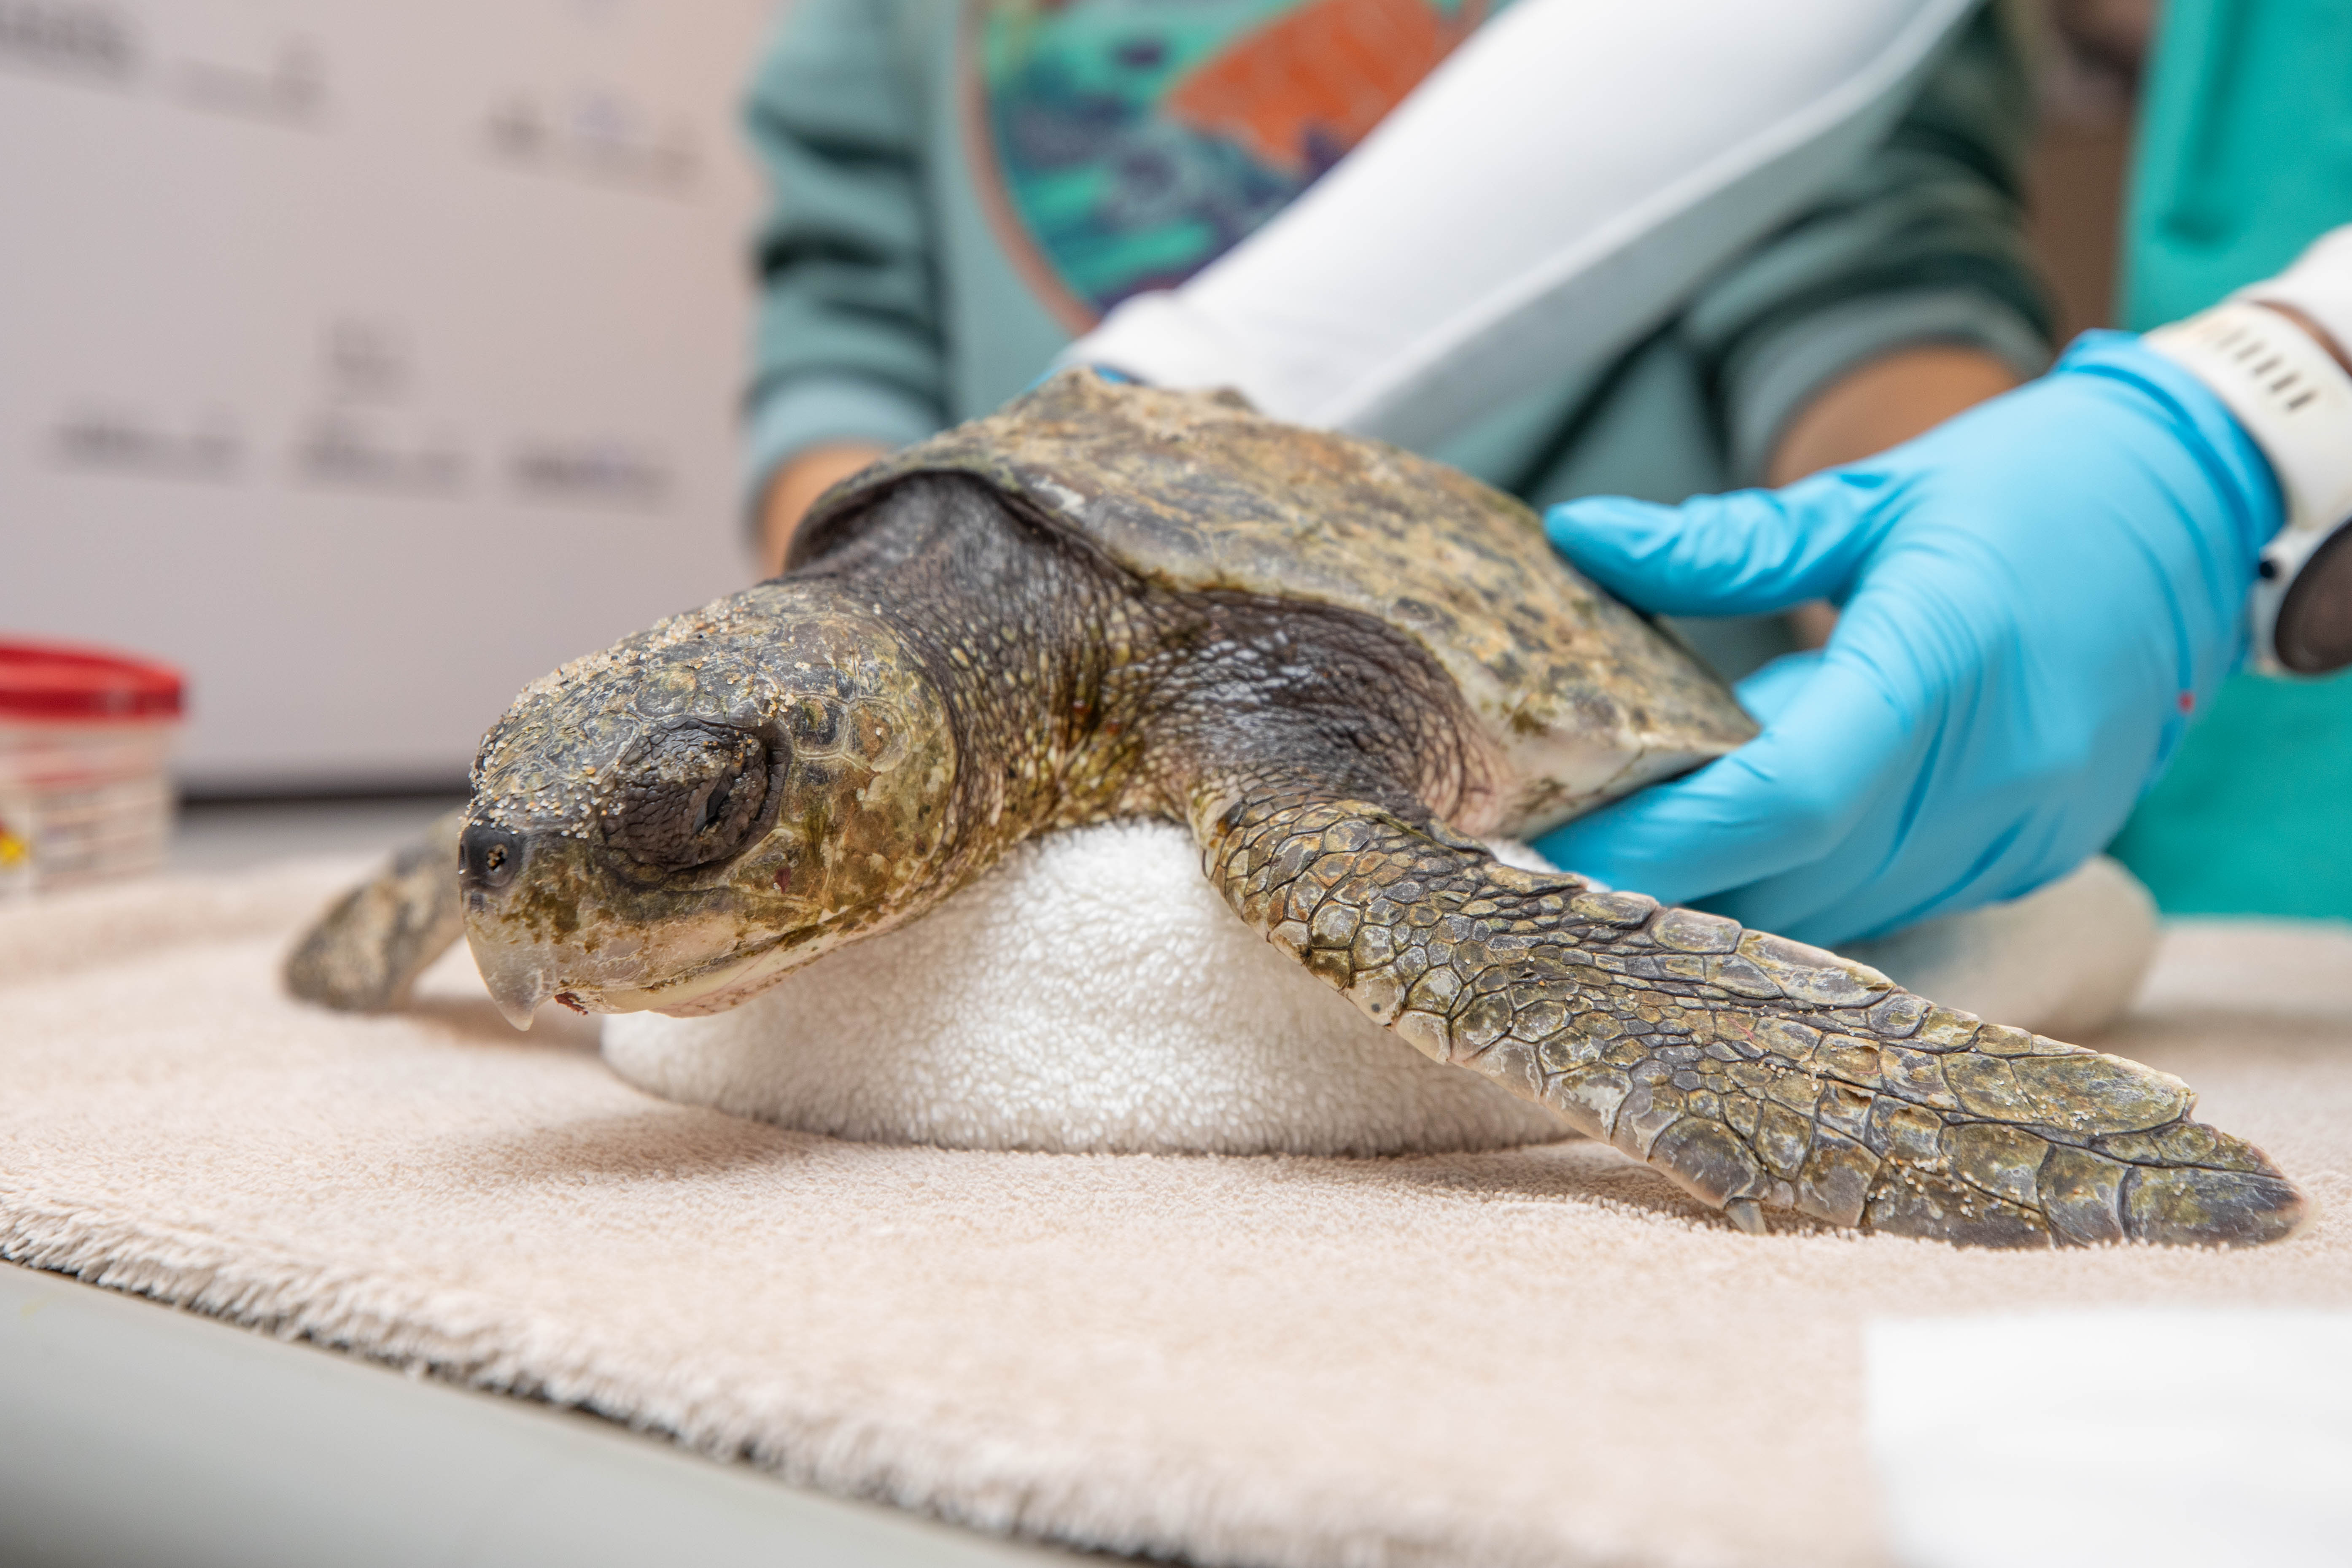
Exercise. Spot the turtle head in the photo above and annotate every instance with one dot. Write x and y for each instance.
(674, 823)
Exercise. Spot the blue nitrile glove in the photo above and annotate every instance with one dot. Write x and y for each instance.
(2036, 596)
(1104, 372)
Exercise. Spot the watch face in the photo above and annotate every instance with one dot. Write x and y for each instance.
(2315, 618)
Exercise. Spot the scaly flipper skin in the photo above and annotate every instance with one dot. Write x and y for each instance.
(1756, 1072)
(363, 955)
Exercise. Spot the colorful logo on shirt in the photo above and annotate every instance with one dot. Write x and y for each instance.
(1134, 141)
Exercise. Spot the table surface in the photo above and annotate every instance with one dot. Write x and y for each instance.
(131, 1431)
(245, 1450)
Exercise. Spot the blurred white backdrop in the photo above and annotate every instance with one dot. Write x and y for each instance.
(367, 360)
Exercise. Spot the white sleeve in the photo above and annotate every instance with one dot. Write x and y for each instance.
(1549, 194)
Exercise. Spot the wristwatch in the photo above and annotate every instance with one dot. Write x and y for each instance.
(2276, 356)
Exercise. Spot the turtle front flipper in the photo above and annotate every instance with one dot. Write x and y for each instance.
(363, 953)
(1755, 1071)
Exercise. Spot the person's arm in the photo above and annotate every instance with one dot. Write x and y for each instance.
(806, 476)
(1553, 190)
(1876, 405)
(1883, 403)
(845, 348)
(2036, 597)
(1906, 295)
(1916, 254)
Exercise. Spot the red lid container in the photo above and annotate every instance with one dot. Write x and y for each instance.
(47, 683)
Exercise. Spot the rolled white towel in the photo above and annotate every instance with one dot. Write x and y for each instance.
(2065, 960)
(1093, 993)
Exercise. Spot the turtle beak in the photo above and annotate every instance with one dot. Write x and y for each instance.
(541, 929)
(518, 978)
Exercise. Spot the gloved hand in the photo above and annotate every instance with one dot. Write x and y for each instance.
(2036, 597)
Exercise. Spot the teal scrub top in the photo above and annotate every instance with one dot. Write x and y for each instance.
(2244, 157)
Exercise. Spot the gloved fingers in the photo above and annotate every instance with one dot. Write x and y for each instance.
(1749, 552)
(1102, 373)
(1786, 799)
(2009, 816)
(1969, 859)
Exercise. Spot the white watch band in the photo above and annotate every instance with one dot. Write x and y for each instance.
(2296, 402)
(2319, 285)
(2288, 392)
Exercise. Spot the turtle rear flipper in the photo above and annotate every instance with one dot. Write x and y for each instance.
(365, 953)
(1756, 1072)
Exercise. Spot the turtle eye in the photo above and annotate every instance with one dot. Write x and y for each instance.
(687, 796)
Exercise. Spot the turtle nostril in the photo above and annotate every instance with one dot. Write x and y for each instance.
(488, 858)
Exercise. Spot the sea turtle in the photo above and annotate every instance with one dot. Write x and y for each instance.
(1341, 665)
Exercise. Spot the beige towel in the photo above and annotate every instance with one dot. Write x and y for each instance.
(1542, 1356)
